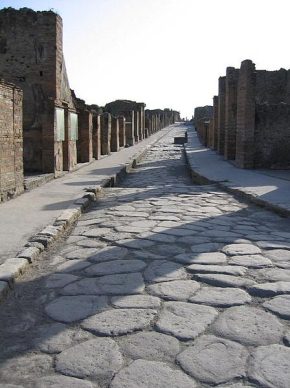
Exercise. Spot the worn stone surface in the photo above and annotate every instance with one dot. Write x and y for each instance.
(162, 271)
(136, 301)
(221, 280)
(277, 255)
(224, 269)
(279, 305)
(241, 249)
(116, 266)
(221, 297)
(174, 290)
(62, 382)
(251, 261)
(270, 289)
(202, 258)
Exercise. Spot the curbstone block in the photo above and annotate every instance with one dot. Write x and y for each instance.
(12, 268)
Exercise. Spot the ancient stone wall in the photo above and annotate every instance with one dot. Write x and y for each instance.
(114, 134)
(215, 122)
(106, 122)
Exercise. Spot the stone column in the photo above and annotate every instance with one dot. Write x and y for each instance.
(106, 134)
(85, 144)
(69, 144)
(130, 140)
(136, 126)
(114, 134)
(96, 136)
(221, 115)
(122, 131)
(215, 122)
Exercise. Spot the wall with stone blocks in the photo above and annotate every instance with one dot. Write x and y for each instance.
(11, 141)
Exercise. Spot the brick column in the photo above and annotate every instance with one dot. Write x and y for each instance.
(105, 133)
(69, 144)
(221, 115)
(231, 113)
(215, 122)
(114, 134)
(122, 131)
(96, 138)
(85, 143)
(246, 116)
(130, 140)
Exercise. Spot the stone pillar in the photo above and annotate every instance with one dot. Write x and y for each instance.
(147, 127)
(245, 142)
(221, 115)
(215, 122)
(141, 121)
(130, 119)
(122, 131)
(114, 134)
(136, 126)
(69, 144)
(106, 122)
(96, 139)
(85, 142)
(231, 113)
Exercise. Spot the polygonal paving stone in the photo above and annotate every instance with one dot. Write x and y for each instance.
(249, 326)
(278, 255)
(270, 289)
(88, 243)
(221, 297)
(269, 366)
(58, 381)
(238, 385)
(214, 360)
(73, 308)
(118, 322)
(149, 374)
(96, 358)
(185, 320)
(202, 258)
(163, 270)
(241, 249)
(251, 261)
(272, 274)
(169, 249)
(72, 266)
(225, 269)
(116, 266)
(10, 386)
(150, 346)
(57, 280)
(119, 284)
(165, 238)
(273, 245)
(96, 232)
(279, 305)
(207, 247)
(108, 254)
(81, 254)
(136, 301)
(136, 244)
(220, 280)
(174, 290)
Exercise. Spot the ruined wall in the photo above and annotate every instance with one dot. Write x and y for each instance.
(215, 122)
(11, 141)
(272, 87)
(202, 113)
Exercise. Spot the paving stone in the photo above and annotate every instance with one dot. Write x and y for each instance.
(117, 236)
(185, 320)
(169, 249)
(96, 358)
(116, 266)
(241, 249)
(12, 268)
(221, 297)
(108, 254)
(207, 247)
(278, 255)
(202, 258)
(73, 265)
(136, 244)
(136, 301)
(150, 346)
(279, 305)
(269, 366)
(57, 280)
(174, 231)
(163, 270)
(214, 360)
(22, 367)
(249, 326)
(119, 321)
(149, 374)
(174, 290)
(221, 280)
(270, 289)
(225, 269)
(88, 243)
(118, 284)
(238, 385)
(251, 261)
(273, 245)
(82, 253)
(58, 381)
(74, 308)
(159, 237)
(194, 240)
(272, 274)
(96, 232)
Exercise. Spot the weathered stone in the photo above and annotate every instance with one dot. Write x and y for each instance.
(269, 366)
(136, 301)
(108, 254)
(273, 245)
(225, 269)
(241, 249)
(148, 374)
(174, 249)
(220, 280)
(12, 268)
(74, 308)
(72, 266)
(214, 360)
(116, 266)
(221, 297)
(249, 326)
(272, 274)
(278, 255)
(150, 346)
(97, 358)
(174, 290)
(162, 271)
(185, 320)
(83, 253)
(270, 289)
(118, 322)
(59, 280)
(88, 243)
(251, 261)
(136, 244)
(96, 232)
(202, 258)
(207, 247)
(279, 305)
(58, 381)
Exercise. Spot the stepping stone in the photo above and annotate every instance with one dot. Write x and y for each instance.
(118, 322)
(72, 266)
(269, 366)
(272, 274)
(136, 301)
(202, 258)
(221, 297)
(214, 360)
(185, 320)
(270, 289)
(149, 374)
(150, 346)
(279, 305)
(163, 270)
(251, 261)
(74, 308)
(108, 254)
(96, 358)
(209, 247)
(249, 326)
(116, 266)
(224, 280)
(58, 381)
(278, 255)
(225, 269)
(174, 290)
(119, 284)
(241, 249)
(57, 280)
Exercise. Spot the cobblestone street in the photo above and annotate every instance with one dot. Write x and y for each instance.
(161, 284)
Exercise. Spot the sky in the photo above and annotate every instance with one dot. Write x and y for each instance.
(166, 53)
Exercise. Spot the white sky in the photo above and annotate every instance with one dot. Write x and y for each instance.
(167, 53)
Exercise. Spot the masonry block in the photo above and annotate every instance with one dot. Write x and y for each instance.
(106, 122)
(115, 134)
(122, 131)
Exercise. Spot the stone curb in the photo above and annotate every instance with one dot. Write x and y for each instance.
(239, 193)
(12, 268)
